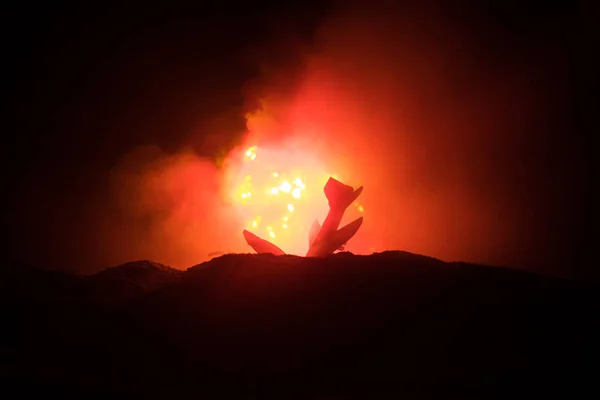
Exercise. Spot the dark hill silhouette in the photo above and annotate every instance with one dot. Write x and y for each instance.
(130, 280)
(290, 327)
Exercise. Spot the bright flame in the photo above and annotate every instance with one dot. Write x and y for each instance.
(251, 153)
(285, 187)
(279, 193)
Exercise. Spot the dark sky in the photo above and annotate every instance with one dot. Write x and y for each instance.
(87, 85)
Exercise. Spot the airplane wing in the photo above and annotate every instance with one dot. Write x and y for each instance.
(261, 246)
(335, 241)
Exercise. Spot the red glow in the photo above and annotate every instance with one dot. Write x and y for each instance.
(414, 107)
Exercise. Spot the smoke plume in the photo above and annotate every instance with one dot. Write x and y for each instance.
(448, 123)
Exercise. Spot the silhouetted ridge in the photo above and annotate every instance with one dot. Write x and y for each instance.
(345, 324)
(130, 280)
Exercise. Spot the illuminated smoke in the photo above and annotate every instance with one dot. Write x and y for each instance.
(431, 119)
(442, 127)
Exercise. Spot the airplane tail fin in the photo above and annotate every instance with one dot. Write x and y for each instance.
(339, 195)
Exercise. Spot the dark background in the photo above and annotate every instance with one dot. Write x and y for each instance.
(85, 84)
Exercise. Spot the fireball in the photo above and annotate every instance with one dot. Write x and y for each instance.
(278, 193)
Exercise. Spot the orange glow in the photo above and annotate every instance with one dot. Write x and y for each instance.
(278, 193)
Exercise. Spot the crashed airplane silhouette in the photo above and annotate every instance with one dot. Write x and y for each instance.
(323, 239)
